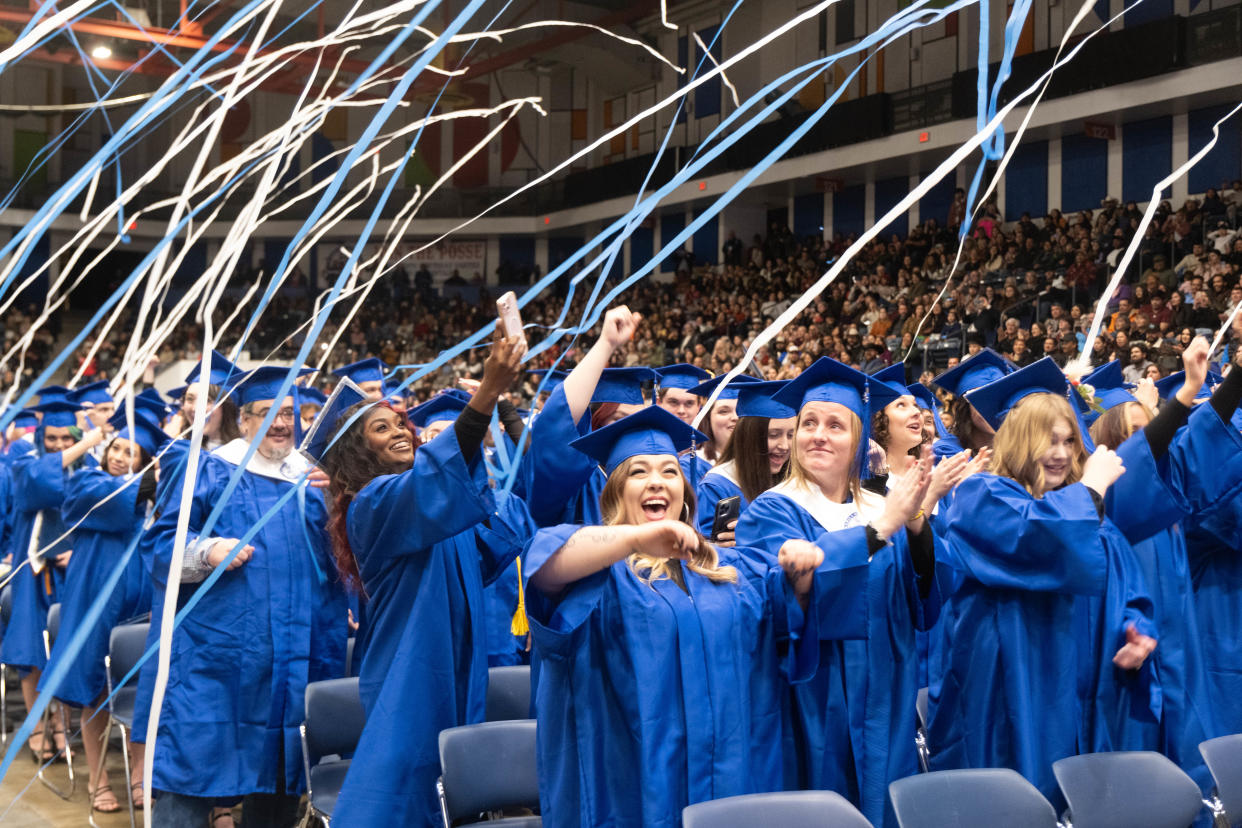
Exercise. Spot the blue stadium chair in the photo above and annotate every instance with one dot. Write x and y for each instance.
(791, 809)
(50, 631)
(333, 726)
(920, 733)
(6, 610)
(487, 768)
(970, 798)
(508, 693)
(1127, 789)
(1224, 759)
(126, 644)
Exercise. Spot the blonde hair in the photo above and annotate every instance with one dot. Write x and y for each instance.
(704, 561)
(1115, 425)
(799, 475)
(1025, 435)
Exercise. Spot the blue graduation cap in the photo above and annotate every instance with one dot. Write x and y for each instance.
(94, 394)
(146, 432)
(1169, 385)
(650, 431)
(975, 372)
(827, 381)
(622, 385)
(730, 391)
(58, 413)
(26, 418)
(150, 403)
(683, 375)
(52, 393)
(371, 369)
(754, 399)
(343, 397)
(554, 378)
(994, 400)
(263, 383)
(925, 399)
(175, 394)
(441, 407)
(219, 372)
(894, 376)
(1110, 388)
(312, 396)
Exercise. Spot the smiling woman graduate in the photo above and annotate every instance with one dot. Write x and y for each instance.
(660, 679)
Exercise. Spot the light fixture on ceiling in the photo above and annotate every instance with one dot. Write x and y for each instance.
(101, 51)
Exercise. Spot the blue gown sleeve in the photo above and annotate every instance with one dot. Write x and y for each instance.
(38, 482)
(552, 470)
(1005, 538)
(439, 497)
(1205, 460)
(792, 627)
(502, 536)
(557, 621)
(97, 501)
(1141, 501)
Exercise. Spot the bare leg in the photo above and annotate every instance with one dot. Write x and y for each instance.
(94, 731)
(137, 750)
(30, 692)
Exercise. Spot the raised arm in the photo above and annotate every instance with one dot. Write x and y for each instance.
(619, 327)
(595, 548)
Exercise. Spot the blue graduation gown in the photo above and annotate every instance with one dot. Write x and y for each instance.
(1214, 547)
(855, 717)
(560, 483)
(1022, 653)
(501, 596)
(426, 542)
(713, 488)
(695, 468)
(242, 658)
(38, 486)
(649, 698)
(106, 530)
(946, 446)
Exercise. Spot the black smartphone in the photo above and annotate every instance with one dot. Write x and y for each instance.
(727, 510)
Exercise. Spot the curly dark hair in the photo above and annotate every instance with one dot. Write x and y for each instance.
(880, 433)
(350, 465)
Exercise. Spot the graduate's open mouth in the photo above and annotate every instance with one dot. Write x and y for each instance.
(915, 426)
(655, 508)
(400, 446)
(1055, 471)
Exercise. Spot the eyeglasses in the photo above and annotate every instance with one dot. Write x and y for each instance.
(282, 414)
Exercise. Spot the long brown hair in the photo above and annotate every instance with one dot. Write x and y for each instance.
(350, 465)
(748, 449)
(1116, 424)
(1025, 435)
(704, 561)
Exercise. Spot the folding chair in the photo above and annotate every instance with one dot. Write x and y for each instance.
(1224, 759)
(50, 631)
(790, 809)
(920, 731)
(486, 768)
(969, 798)
(1126, 789)
(333, 726)
(508, 693)
(126, 645)
(6, 611)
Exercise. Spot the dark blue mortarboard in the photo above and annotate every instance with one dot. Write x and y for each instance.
(730, 391)
(176, 394)
(650, 431)
(147, 432)
(1110, 388)
(827, 381)
(894, 376)
(371, 369)
(95, 393)
(622, 385)
(311, 396)
(221, 372)
(150, 402)
(26, 418)
(343, 397)
(1169, 385)
(682, 375)
(53, 393)
(264, 382)
(925, 399)
(974, 372)
(58, 413)
(555, 378)
(994, 400)
(439, 408)
(755, 400)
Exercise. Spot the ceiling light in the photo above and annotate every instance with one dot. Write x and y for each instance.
(101, 52)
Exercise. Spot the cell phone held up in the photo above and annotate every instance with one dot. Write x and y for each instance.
(510, 318)
(727, 511)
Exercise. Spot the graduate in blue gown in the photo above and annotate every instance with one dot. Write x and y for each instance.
(969, 430)
(1046, 599)
(107, 508)
(661, 654)
(855, 718)
(421, 532)
(1178, 473)
(40, 543)
(681, 390)
(273, 622)
(754, 460)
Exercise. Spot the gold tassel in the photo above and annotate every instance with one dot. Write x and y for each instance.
(520, 626)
